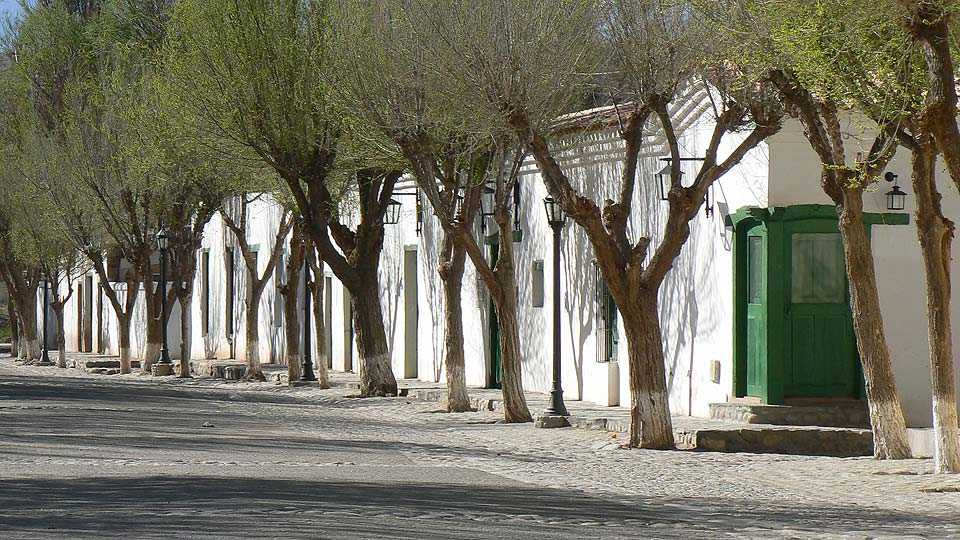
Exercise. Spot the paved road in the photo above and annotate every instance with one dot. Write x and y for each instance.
(133, 457)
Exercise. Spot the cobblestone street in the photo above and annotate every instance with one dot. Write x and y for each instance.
(133, 456)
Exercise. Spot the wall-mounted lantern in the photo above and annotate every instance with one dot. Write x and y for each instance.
(517, 231)
(708, 202)
(664, 177)
(392, 215)
(488, 201)
(663, 180)
(458, 203)
(419, 214)
(896, 198)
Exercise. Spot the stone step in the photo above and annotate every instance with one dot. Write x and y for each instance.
(845, 414)
(714, 436)
(439, 395)
(804, 441)
(104, 370)
(755, 439)
(95, 364)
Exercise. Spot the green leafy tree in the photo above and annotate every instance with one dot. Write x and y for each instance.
(257, 74)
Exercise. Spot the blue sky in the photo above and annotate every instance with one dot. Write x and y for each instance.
(9, 7)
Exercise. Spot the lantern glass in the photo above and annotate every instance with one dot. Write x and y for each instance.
(663, 182)
(392, 216)
(708, 202)
(488, 201)
(555, 214)
(896, 199)
(419, 214)
(163, 239)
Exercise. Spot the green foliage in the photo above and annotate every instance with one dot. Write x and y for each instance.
(852, 53)
(254, 74)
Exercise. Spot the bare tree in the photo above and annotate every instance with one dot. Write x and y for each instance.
(524, 64)
(385, 79)
(236, 217)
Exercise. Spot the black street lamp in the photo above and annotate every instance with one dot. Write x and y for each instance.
(163, 242)
(306, 372)
(44, 352)
(556, 219)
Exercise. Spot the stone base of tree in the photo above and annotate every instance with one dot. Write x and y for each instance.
(551, 421)
(162, 370)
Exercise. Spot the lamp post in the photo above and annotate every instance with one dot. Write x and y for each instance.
(306, 373)
(163, 242)
(44, 353)
(556, 219)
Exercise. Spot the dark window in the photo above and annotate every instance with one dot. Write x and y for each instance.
(538, 283)
(607, 308)
(755, 270)
(279, 276)
(205, 270)
(231, 289)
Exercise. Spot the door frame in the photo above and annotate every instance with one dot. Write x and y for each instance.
(777, 279)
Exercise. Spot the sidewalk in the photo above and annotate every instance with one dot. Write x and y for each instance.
(691, 433)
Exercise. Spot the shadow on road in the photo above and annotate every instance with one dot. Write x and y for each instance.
(181, 506)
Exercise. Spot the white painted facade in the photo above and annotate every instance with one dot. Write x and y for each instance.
(696, 299)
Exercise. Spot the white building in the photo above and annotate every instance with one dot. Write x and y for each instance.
(784, 334)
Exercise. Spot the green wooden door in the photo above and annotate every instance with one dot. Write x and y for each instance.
(496, 362)
(756, 289)
(821, 359)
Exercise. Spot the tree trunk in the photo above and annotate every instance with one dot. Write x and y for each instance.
(123, 322)
(291, 314)
(515, 408)
(376, 369)
(14, 323)
(451, 275)
(935, 233)
(252, 331)
(154, 329)
(186, 330)
(321, 371)
(514, 400)
(650, 422)
(61, 335)
(886, 414)
(28, 326)
(22, 350)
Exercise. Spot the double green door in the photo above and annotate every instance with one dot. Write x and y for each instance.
(798, 331)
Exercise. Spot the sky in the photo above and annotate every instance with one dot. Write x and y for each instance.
(9, 7)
